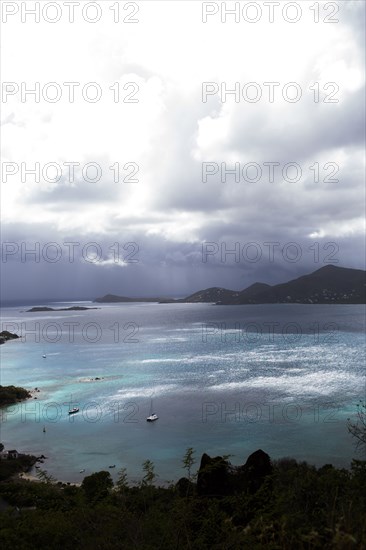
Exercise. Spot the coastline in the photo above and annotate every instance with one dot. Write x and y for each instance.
(26, 476)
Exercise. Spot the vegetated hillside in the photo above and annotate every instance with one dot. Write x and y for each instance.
(262, 504)
(210, 295)
(247, 296)
(329, 284)
(5, 336)
(12, 394)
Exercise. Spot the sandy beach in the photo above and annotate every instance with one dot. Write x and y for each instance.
(31, 477)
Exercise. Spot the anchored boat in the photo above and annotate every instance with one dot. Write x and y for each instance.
(152, 416)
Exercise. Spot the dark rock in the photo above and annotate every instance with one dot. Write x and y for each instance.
(256, 468)
(213, 476)
(217, 477)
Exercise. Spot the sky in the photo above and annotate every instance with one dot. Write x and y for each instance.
(189, 147)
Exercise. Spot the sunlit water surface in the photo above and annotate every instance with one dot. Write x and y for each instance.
(224, 380)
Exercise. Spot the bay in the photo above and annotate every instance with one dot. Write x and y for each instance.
(223, 379)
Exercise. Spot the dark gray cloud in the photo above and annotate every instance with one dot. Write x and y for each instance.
(171, 213)
(165, 268)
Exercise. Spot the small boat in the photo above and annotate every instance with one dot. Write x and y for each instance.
(152, 417)
(44, 429)
(74, 410)
(113, 466)
(82, 471)
(44, 356)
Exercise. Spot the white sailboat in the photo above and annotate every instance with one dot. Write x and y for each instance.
(152, 416)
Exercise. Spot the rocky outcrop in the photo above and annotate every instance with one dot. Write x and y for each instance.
(217, 477)
(214, 476)
(256, 468)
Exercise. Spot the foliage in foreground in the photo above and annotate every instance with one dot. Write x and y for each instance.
(298, 506)
(357, 428)
(11, 467)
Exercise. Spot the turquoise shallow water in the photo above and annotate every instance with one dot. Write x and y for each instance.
(224, 380)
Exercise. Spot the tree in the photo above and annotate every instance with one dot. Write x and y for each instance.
(97, 485)
(150, 475)
(188, 461)
(122, 483)
(45, 477)
(358, 428)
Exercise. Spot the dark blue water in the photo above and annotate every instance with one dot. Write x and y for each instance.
(224, 380)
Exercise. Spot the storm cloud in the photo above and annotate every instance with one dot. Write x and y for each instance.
(194, 203)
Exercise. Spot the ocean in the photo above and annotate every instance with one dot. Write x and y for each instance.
(225, 380)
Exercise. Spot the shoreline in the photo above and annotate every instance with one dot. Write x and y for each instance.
(26, 476)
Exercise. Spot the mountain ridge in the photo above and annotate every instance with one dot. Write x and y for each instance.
(328, 284)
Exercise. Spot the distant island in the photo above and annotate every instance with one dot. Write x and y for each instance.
(5, 336)
(112, 298)
(38, 309)
(328, 285)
